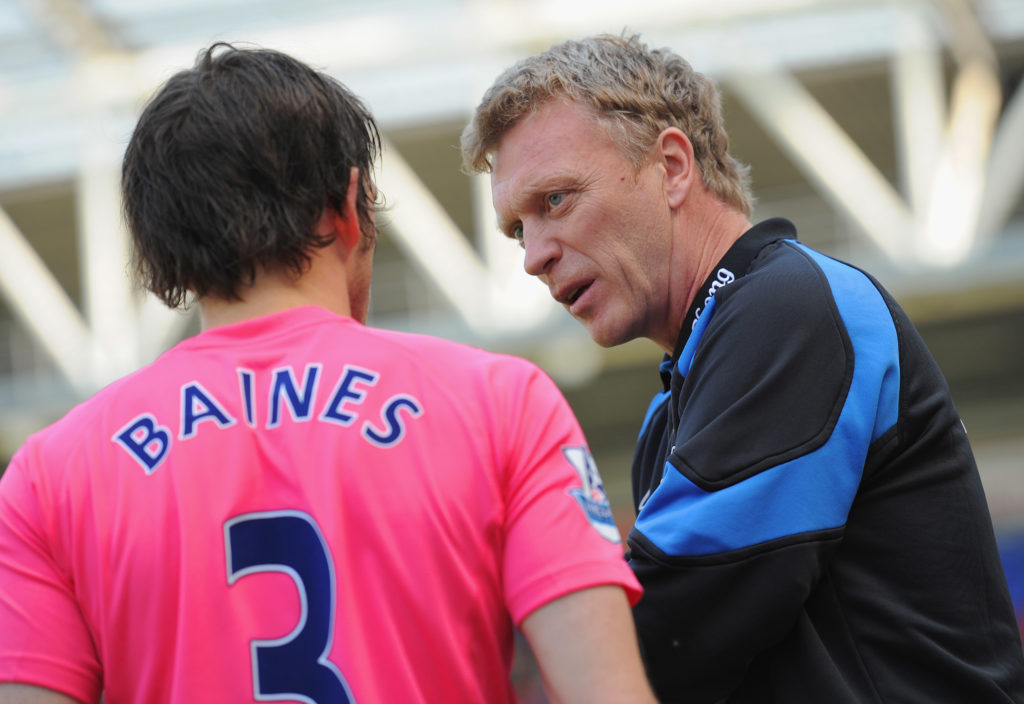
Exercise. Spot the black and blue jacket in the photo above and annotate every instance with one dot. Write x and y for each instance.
(811, 526)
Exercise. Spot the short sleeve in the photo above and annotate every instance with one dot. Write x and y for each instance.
(45, 639)
(560, 535)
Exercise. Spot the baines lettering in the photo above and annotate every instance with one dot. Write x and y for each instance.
(288, 397)
(722, 277)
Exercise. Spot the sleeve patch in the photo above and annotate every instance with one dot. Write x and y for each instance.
(591, 496)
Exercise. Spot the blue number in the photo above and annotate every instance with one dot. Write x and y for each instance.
(295, 666)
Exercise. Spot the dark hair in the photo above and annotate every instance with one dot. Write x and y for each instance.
(232, 164)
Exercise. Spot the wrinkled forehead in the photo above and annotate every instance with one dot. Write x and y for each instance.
(546, 126)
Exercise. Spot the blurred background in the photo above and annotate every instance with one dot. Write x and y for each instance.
(891, 132)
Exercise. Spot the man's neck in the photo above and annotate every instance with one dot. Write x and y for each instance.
(275, 292)
(709, 236)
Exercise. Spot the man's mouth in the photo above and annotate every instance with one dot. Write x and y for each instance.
(574, 296)
(569, 294)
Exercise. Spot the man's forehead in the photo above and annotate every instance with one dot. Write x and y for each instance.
(554, 144)
(554, 133)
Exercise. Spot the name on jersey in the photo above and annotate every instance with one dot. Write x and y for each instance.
(148, 440)
(722, 278)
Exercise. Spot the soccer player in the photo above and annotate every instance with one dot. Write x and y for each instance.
(290, 505)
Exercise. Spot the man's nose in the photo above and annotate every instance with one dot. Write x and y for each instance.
(542, 251)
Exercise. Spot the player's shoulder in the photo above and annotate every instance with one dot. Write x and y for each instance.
(70, 434)
(791, 280)
(487, 376)
(455, 357)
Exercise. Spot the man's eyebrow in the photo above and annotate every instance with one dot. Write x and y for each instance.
(503, 225)
(555, 181)
(515, 205)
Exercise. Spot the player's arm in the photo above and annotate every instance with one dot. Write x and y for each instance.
(12, 693)
(44, 638)
(585, 644)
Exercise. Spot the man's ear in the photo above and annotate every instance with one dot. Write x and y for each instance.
(675, 152)
(346, 223)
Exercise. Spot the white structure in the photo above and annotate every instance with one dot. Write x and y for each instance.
(892, 131)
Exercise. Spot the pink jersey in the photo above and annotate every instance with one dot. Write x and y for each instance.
(298, 508)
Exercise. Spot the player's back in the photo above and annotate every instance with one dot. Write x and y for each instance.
(300, 504)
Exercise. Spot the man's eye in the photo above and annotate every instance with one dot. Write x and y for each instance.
(555, 199)
(517, 233)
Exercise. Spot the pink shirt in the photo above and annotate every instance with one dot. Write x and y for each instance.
(298, 508)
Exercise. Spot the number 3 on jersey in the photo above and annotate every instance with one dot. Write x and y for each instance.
(295, 666)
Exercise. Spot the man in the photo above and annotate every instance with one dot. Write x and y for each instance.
(810, 522)
(290, 505)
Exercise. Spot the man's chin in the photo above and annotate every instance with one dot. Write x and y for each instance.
(607, 338)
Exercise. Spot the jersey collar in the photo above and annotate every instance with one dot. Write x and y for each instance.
(734, 265)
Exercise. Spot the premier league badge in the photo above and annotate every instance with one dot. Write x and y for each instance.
(591, 496)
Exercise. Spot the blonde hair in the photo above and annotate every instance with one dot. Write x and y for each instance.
(636, 91)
